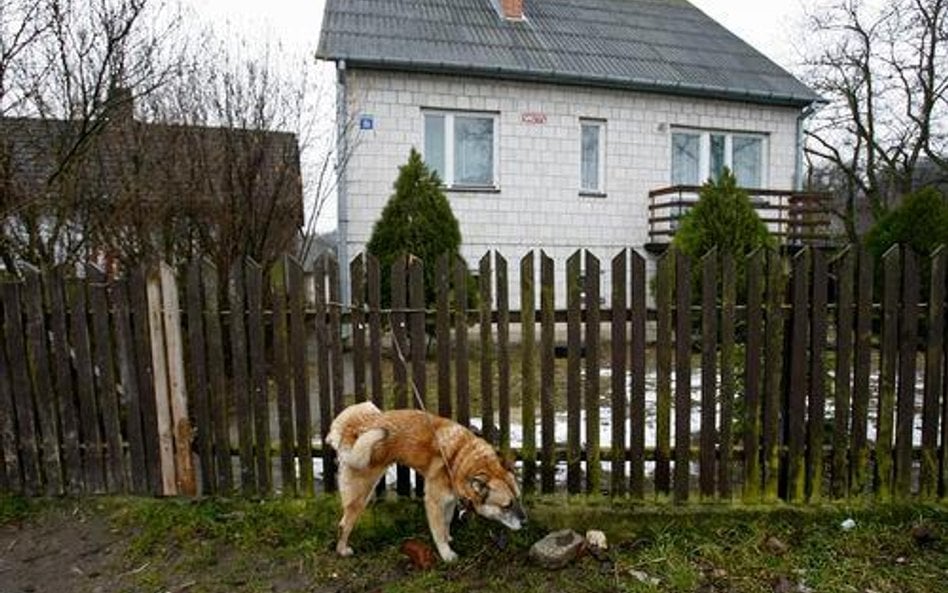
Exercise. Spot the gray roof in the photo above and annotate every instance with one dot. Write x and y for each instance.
(666, 46)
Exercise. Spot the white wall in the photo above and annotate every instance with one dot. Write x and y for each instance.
(538, 205)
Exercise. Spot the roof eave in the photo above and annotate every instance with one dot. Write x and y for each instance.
(565, 78)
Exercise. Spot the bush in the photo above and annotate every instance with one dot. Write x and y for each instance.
(417, 220)
(920, 221)
(722, 218)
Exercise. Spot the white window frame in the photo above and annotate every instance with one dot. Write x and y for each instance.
(447, 176)
(704, 151)
(601, 124)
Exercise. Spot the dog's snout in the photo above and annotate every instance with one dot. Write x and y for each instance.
(520, 513)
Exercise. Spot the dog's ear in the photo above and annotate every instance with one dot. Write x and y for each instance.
(479, 485)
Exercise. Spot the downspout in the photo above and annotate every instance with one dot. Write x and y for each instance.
(801, 125)
(342, 189)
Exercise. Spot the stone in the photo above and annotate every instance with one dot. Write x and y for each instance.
(557, 549)
(775, 546)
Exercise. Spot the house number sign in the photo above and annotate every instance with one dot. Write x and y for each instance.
(533, 118)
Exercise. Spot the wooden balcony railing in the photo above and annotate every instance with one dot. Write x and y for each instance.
(795, 218)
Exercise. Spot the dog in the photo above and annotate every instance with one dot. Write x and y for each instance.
(458, 467)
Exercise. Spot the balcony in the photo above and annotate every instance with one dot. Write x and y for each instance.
(795, 218)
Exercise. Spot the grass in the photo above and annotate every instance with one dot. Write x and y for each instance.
(286, 545)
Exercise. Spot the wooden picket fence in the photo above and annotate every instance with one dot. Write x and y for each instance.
(197, 380)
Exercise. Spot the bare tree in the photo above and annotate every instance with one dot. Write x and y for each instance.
(884, 72)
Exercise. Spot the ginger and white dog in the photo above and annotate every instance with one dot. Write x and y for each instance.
(457, 466)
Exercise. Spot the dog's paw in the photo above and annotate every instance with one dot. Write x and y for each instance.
(344, 551)
(449, 555)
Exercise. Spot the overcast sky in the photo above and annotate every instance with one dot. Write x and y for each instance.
(768, 25)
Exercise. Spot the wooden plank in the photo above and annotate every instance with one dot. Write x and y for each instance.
(773, 370)
(503, 352)
(374, 298)
(728, 363)
(197, 378)
(619, 397)
(752, 377)
(357, 276)
(335, 334)
(859, 450)
(92, 459)
(128, 378)
(664, 285)
(816, 414)
(528, 374)
(573, 354)
(12, 470)
(547, 370)
(240, 399)
(68, 411)
(159, 362)
(682, 376)
(462, 372)
(886, 398)
(107, 398)
(591, 289)
(934, 375)
(842, 391)
(141, 332)
(281, 370)
(707, 469)
(443, 333)
(418, 392)
(19, 374)
(296, 291)
(399, 359)
(322, 367)
(259, 393)
(487, 351)
(40, 374)
(177, 387)
(219, 397)
(637, 288)
(908, 349)
(796, 395)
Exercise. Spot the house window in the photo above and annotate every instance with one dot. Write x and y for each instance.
(462, 148)
(700, 155)
(592, 159)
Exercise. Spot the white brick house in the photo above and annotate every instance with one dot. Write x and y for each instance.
(540, 156)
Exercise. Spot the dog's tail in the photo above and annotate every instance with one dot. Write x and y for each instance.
(354, 450)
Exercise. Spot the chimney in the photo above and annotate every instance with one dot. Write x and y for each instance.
(511, 9)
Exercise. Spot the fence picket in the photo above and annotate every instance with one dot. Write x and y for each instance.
(709, 338)
(159, 357)
(335, 335)
(461, 365)
(281, 370)
(40, 371)
(503, 354)
(418, 345)
(240, 398)
(374, 298)
(487, 351)
(197, 377)
(816, 414)
(682, 376)
(859, 450)
(796, 394)
(573, 354)
(219, 396)
(10, 475)
(726, 437)
(304, 449)
(842, 392)
(357, 275)
(619, 397)
(141, 331)
(637, 289)
(528, 395)
(752, 377)
(773, 370)
(547, 369)
(126, 363)
(92, 459)
(889, 355)
(934, 375)
(908, 349)
(591, 299)
(443, 333)
(68, 412)
(260, 401)
(400, 356)
(664, 285)
(322, 365)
